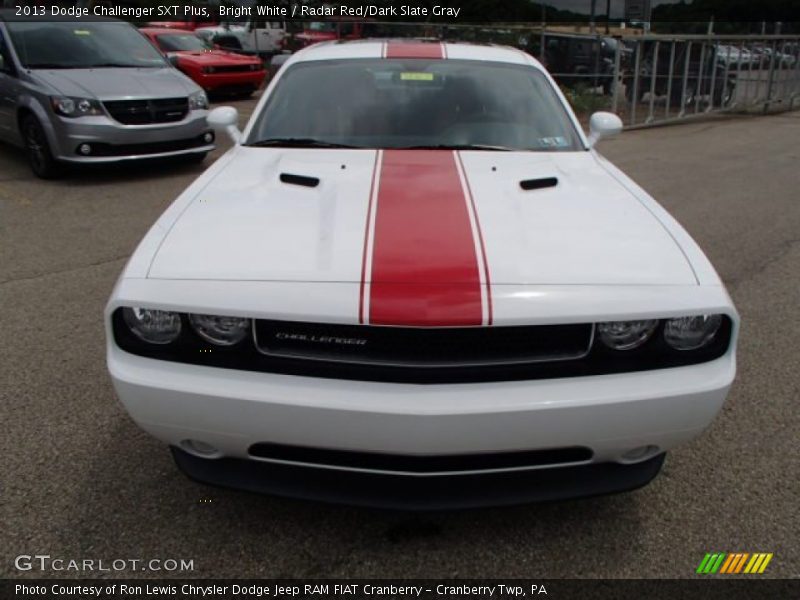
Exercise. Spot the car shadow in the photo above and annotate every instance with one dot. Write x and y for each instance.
(121, 172)
(133, 496)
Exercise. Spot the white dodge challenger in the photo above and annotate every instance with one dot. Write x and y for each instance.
(412, 282)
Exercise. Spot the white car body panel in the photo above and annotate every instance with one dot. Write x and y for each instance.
(592, 230)
(610, 414)
(262, 40)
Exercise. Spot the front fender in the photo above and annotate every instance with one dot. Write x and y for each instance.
(28, 103)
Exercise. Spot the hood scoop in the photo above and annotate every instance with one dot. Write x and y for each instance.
(301, 180)
(538, 184)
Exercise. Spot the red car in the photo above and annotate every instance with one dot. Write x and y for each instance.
(212, 69)
(186, 25)
(332, 29)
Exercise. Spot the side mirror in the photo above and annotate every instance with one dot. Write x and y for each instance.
(225, 119)
(173, 60)
(603, 125)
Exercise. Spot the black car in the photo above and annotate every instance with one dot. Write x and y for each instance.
(575, 59)
(684, 71)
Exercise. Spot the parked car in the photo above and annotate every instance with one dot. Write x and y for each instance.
(783, 59)
(190, 24)
(253, 36)
(689, 81)
(333, 29)
(414, 282)
(735, 57)
(575, 59)
(94, 92)
(214, 70)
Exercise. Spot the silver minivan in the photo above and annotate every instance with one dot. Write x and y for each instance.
(94, 92)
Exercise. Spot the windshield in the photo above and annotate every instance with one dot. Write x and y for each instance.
(84, 45)
(379, 103)
(179, 42)
(321, 26)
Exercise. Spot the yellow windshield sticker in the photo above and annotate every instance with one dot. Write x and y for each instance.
(416, 76)
(81, 32)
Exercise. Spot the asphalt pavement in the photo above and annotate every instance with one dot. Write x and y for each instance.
(81, 481)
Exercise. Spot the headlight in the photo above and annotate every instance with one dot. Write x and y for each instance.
(222, 331)
(198, 101)
(67, 106)
(626, 335)
(153, 326)
(691, 333)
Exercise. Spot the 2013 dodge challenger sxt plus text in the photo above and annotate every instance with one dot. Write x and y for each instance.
(413, 282)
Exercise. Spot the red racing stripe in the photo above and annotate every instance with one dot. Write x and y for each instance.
(424, 263)
(400, 49)
(365, 257)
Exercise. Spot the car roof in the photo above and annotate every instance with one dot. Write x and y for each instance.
(375, 48)
(9, 14)
(165, 31)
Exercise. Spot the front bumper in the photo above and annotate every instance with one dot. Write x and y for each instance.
(241, 80)
(120, 142)
(609, 415)
(403, 493)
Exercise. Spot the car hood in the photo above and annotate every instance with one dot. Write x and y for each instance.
(118, 83)
(406, 216)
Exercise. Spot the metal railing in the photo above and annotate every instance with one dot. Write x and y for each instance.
(650, 79)
(656, 79)
(674, 78)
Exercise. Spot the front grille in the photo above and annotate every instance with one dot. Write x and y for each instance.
(375, 461)
(102, 149)
(147, 112)
(496, 353)
(233, 69)
(422, 347)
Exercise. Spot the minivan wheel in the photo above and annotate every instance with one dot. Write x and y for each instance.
(39, 156)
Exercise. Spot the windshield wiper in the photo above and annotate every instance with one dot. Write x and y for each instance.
(50, 66)
(457, 147)
(112, 65)
(298, 143)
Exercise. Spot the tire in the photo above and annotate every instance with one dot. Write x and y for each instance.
(40, 158)
(230, 43)
(726, 98)
(689, 97)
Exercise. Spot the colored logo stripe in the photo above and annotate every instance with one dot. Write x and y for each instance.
(758, 563)
(734, 563)
(711, 563)
(423, 258)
